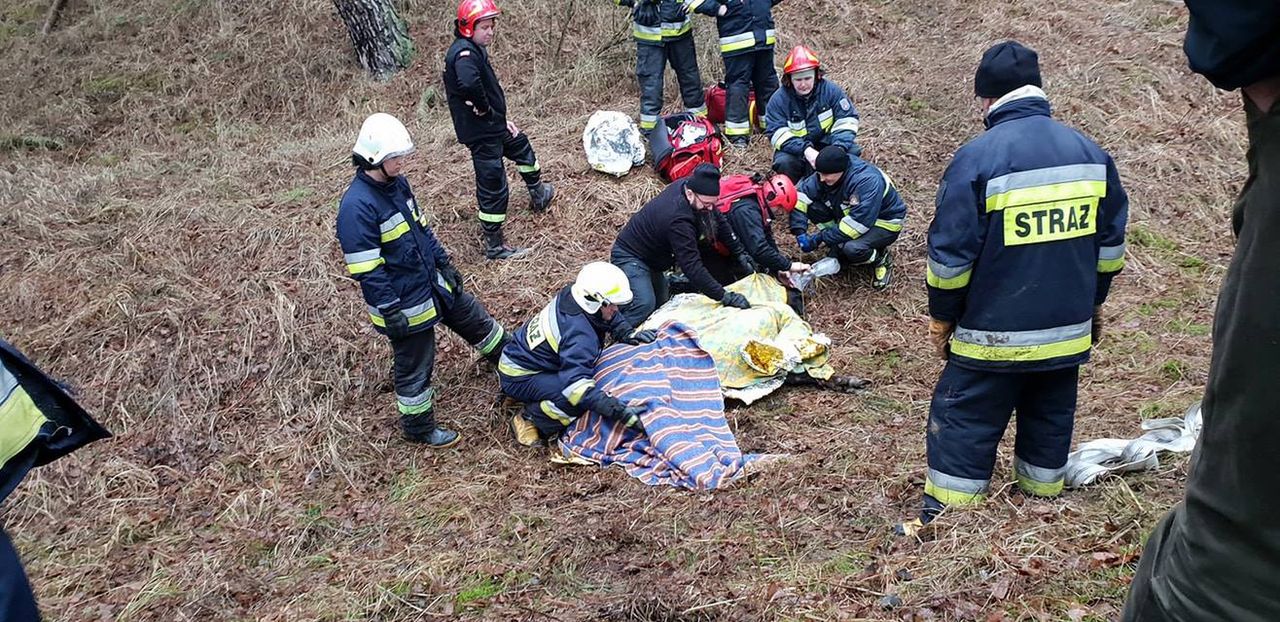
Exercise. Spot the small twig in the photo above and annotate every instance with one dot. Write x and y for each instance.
(51, 19)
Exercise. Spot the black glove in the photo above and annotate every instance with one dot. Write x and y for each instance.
(451, 276)
(610, 408)
(631, 415)
(746, 264)
(639, 337)
(397, 323)
(734, 299)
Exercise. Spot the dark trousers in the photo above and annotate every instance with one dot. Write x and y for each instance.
(968, 416)
(862, 250)
(415, 355)
(797, 168)
(544, 404)
(651, 63)
(492, 193)
(17, 602)
(648, 287)
(743, 73)
(1216, 556)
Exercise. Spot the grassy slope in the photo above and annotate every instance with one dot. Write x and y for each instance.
(176, 261)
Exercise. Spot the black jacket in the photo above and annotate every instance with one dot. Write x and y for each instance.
(756, 236)
(1234, 43)
(468, 77)
(665, 233)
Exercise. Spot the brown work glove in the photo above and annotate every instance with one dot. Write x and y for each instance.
(1097, 324)
(939, 335)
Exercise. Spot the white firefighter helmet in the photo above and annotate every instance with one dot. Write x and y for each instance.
(600, 283)
(382, 136)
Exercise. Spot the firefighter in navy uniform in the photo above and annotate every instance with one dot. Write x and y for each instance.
(808, 113)
(663, 32)
(408, 281)
(746, 44)
(39, 423)
(857, 209)
(1028, 233)
(550, 363)
(479, 111)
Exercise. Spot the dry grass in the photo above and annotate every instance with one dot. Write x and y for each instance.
(175, 260)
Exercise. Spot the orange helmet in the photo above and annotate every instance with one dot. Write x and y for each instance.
(470, 12)
(780, 193)
(799, 59)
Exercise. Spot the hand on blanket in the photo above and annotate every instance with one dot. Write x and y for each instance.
(632, 415)
(639, 337)
(734, 299)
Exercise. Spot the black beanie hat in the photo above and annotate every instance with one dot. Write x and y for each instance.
(705, 180)
(832, 159)
(1004, 67)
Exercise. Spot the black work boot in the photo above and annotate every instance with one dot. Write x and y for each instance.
(540, 196)
(882, 269)
(422, 428)
(929, 510)
(495, 248)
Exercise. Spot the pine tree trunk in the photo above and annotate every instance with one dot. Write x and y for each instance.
(380, 38)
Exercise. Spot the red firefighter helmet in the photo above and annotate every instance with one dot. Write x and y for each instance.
(780, 193)
(470, 12)
(799, 59)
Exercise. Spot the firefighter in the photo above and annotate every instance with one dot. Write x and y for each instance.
(550, 364)
(744, 243)
(1027, 235)
(857, 210)
(408, 281)
(39, 423)
(1215, 555)
(664, 36)
(746, 44)
(808, 113)
(665, 232)
(479, 110)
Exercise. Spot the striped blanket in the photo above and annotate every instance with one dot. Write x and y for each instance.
(687, 442)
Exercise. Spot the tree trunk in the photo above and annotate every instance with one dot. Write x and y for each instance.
(380, 38)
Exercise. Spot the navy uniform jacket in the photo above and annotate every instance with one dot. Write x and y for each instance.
(561, 339)
(825, 117)
(1028, 232)
(391, 251)
(654, 22)
(864, 198)
(747, 25)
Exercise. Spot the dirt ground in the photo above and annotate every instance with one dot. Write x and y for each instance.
(169, 172)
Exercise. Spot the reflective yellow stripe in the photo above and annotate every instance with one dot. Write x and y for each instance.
(737, 42)
(1110, 265)
(487, 217)
(825, 120)
(1021, 352)
(1047, 194)
(852, 228)
(365, 266)
(531, 168)
(955, 282)
(675, 29)
(802, 202)
(1040, 489)
(646, 33)
(20, 419)
(889, 225)
(513, 370)
(952, 497)
(395, 232)
(577, 390)
(550, 410)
